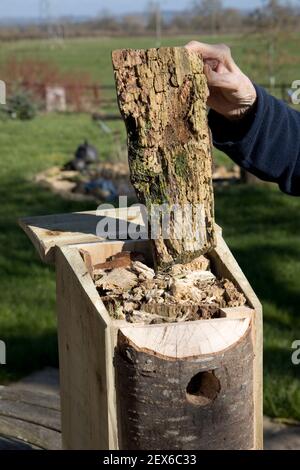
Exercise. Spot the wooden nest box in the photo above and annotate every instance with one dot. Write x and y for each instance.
(168, 386)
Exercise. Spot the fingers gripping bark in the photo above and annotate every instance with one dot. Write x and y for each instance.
(232, 93)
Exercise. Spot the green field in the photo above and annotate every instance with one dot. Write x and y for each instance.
(93, 55)
(261, 225)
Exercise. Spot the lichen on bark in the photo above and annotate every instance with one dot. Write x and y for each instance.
(162, 96)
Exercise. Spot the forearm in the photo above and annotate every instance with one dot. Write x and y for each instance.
(265, 142)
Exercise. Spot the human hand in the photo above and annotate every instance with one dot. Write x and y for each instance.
(232, 93)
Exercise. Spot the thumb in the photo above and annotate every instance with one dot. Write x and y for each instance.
(225, 80)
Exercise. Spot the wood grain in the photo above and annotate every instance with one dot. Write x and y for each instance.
(85, 358)
(34, 434)
(187, 339)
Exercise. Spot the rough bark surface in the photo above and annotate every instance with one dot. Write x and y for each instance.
(200, 404)
(162, 96)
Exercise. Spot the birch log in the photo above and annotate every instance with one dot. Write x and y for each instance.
(162, 96)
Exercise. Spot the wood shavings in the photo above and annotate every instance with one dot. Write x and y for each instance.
(137, 294)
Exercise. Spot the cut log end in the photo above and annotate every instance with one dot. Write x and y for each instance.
(186, 340)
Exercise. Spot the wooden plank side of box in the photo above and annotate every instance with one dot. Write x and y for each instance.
(85, 358)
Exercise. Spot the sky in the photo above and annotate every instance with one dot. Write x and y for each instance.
(31, 8)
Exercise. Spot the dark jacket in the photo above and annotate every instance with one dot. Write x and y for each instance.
(266, 142)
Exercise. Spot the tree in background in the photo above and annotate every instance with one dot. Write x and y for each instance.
(232, 20)
(203, 16)
(274, 21)
(105, 22)
(155, 20)
(208, 12)
(276, 15)
(133, 24)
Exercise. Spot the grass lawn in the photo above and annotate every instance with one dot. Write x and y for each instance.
(260, 224)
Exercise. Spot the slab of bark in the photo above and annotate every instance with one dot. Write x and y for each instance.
(162, 96)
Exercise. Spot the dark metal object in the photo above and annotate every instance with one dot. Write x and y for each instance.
(85, 155)
(87, 152)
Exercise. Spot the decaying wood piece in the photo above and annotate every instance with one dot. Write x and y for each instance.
(162, 95)
(132, 291)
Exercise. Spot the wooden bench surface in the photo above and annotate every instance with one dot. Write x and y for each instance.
(30, 413)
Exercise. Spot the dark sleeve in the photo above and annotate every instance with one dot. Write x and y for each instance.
(266, 142)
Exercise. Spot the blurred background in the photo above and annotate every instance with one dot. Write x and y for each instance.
(63, 149)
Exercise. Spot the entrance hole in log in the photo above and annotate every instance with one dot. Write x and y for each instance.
(203, 388)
